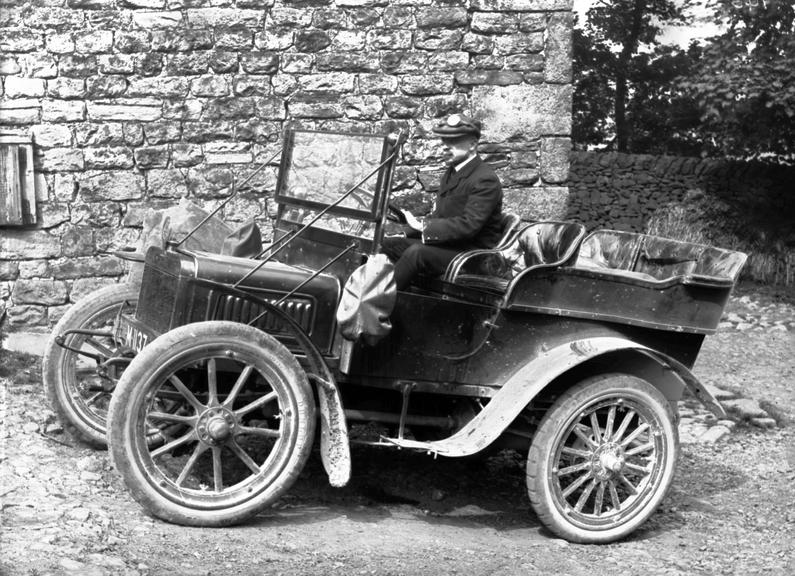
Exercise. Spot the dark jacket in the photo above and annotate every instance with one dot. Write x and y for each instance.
(468, 208)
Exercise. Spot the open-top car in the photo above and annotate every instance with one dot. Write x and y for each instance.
(572, 348)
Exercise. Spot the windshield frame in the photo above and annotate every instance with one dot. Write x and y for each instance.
(382, 178)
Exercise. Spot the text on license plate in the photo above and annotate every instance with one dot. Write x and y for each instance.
(135, 339)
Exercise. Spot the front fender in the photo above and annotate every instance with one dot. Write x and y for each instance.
(534, 376)
(334, 445)
(335, 449)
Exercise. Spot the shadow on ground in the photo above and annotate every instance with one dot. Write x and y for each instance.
(488, 492)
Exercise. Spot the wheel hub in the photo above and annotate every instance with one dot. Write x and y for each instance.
(216, 425)
(608, 461)
(218, 429)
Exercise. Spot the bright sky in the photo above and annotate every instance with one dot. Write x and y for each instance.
(681, 35)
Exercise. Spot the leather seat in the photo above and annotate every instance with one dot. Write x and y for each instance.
(654, 258)
(542, 244)
(510, 222)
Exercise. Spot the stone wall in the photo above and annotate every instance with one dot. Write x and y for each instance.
(622, 191)
(748, 206)
(133, 104)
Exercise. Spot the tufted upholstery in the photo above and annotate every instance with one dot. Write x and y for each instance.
(510, 224)
(542, 244)
(654, 258)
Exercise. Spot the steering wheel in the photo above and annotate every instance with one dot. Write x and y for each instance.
(365, 199)
(394, 214)
(363, 196)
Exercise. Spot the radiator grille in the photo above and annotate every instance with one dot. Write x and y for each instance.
(236, 309)
(167, 301)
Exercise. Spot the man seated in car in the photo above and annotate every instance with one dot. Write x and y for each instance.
(467, 212)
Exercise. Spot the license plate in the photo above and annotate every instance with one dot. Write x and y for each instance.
(133, 337)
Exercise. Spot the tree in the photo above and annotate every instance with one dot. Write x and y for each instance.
(663, 116)
(606, 52)
(744, 80)
(594, 92)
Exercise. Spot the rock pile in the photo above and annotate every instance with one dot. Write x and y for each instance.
(696, 424)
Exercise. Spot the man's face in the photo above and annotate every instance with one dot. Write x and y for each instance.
(459, 148)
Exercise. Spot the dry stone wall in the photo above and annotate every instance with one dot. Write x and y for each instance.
(748, 206)
(622, 191)
(134, 104)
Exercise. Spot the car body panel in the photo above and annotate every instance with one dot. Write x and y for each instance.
(520, 389)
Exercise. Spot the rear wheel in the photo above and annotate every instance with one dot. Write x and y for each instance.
(602, 458)
(239, 437)
(77, 387)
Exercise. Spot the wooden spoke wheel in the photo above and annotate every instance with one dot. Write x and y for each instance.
(238, 440)
(602, 459)
(77, 386)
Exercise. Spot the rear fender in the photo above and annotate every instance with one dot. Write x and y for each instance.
(667, 374)
(334, 446)
(670, 377)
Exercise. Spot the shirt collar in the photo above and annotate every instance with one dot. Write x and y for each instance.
(463, 163)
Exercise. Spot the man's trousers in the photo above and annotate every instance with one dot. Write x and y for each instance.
(412, 257)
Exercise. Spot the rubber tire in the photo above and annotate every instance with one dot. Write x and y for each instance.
(105, 301)
(131, 392)
(541, 450)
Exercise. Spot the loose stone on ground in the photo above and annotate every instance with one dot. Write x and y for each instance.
(698, 425)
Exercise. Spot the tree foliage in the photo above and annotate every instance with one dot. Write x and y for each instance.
(661, 118)
(744, 80)
(664, 117)
(594, 94)
(733, 95)
(609, 65)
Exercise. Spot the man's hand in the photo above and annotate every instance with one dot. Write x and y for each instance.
(411, 221)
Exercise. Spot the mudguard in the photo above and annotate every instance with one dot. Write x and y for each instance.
(335, 449)
(334, 445)
(671, 376)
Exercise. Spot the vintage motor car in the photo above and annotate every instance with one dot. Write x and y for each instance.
(572, 348)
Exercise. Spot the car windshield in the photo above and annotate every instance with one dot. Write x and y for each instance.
(319, 168)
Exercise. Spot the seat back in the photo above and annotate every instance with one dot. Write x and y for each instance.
(551, 243)
(656, 258)
(611, 249)
(509, 223)
(492, 265)
(719, 263)
(543, 243)
(540, 244)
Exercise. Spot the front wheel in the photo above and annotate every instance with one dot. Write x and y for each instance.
(236, 415)
(602, 459)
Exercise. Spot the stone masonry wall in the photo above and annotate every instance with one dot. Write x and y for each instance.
(133, 104)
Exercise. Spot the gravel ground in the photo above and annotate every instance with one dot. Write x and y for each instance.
(731, 509)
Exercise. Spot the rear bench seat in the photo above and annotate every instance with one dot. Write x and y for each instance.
(653, 259)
